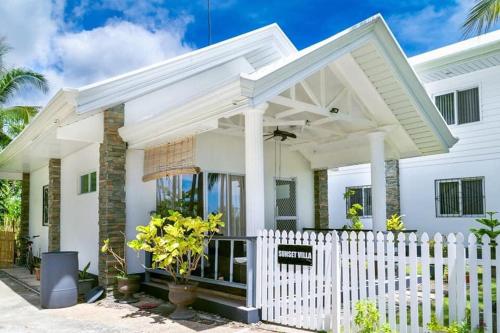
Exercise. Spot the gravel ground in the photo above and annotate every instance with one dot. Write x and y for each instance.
(20, 312)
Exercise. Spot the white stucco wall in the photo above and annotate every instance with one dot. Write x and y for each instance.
(337, 182)
(79, 212)
(140, 201)
(475, 155)
(216, 152)
(38, 179)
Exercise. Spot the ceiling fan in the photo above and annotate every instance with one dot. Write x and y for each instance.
(277, 133)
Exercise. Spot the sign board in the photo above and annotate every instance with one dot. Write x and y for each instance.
(295, 254)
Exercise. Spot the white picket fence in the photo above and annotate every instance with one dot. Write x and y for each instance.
(409, 278)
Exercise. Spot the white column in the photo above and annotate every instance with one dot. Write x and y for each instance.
(377, 159)
(254, 169)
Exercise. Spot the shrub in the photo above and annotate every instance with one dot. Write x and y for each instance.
(176, 242)
(367, 318)
(395, 223)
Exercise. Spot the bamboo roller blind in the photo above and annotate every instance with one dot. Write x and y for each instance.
(173, 158)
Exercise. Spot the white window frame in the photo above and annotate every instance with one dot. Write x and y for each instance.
(437, 196)
(89, 173)
(362, 187)
(455, 102)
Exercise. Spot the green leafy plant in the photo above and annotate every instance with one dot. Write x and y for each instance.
(176, 242)
(121, 261)
(367, 318)
(83, 274)
(455, 327)
(353, 212)
(491, 224)
(395, 223)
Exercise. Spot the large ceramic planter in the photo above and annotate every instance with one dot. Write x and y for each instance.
(127, 286)
(182, 295)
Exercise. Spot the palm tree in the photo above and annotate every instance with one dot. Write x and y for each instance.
(12, 80)
(482, 17)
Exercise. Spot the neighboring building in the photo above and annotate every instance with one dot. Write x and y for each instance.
(443, 192)
(191, 133)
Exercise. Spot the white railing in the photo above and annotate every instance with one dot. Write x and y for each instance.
(410, 279)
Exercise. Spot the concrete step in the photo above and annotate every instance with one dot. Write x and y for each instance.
(229, 306)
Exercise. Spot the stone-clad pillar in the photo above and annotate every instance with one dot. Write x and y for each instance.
(111, 193)
(54, 204)
(392, 187)
(321, 199)
(24, 229)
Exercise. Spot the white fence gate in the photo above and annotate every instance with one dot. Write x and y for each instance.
(409, 279)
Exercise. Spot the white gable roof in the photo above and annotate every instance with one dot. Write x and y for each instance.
(460, 58)
(371, 44)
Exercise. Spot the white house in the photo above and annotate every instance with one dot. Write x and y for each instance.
(443, 192)
(192, 133)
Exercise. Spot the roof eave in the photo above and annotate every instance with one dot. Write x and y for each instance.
(414, 87)
(59, 107)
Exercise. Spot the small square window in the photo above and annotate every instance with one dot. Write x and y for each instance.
(361, 195)
(88, 183)
(459, 107)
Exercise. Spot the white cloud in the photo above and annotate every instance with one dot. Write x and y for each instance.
(431, 27)
(88, 56)
(71, 58)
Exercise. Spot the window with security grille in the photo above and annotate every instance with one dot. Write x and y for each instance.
(286, 204)
(360, 195)
(459, 107)
(460, 197)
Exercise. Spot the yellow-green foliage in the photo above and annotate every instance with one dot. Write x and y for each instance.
(367, 318)
(353, 215)
(395, 223)
(176, 241)
(435, 327)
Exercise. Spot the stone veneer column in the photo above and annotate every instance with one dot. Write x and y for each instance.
(321, 199)
(54, 204)
(392, 187)
(111, 193)
(24, 229)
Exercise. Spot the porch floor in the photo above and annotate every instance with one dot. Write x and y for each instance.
(23, 276)
(20, 312)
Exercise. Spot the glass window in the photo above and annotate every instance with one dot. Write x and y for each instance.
(460, 197)
(446, 105)
(226, 195)
(93, 182)
(45, 205)
(181, 193)
(459, 107)
(360, 195)
(88, 183)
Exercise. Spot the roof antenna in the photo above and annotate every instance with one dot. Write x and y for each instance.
(209, 24)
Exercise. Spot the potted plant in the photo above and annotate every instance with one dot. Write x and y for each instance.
(85, 281)
(177, 244)
(126, 284)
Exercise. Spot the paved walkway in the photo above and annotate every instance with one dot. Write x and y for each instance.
(20, 313)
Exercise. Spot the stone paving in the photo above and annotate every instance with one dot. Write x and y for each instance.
(20, 313)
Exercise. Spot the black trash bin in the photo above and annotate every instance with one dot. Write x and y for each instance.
(59, 279)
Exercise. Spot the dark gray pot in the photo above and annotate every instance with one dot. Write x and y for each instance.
(85, 286)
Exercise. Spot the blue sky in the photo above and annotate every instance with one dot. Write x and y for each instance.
(76, 42)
